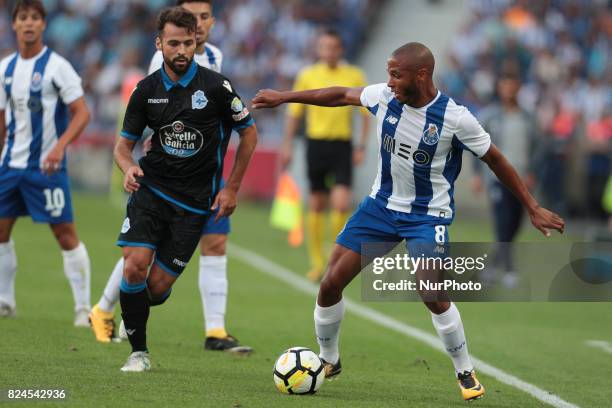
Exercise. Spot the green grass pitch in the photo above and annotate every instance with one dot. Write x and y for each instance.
(541, 343)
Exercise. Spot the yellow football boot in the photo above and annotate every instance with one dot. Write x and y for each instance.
(103, 324)
(471, 388)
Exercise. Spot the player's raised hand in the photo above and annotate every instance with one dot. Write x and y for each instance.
(544, 219)
(225, 202)
(130, 184)
(267, 98)
(53, 161)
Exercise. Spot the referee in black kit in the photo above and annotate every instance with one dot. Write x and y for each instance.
(192, 111)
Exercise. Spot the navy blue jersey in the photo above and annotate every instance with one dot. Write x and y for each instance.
(192, 120)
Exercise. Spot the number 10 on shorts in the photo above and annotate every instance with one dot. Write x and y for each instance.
(55, 201)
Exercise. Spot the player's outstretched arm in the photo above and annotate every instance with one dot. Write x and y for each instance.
(541, 218)
(79, 119)
(332, 96)
(226, 200)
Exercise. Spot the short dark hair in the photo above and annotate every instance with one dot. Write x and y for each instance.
(332, 32)
(181, 2)
(26, 4)
(177, 16)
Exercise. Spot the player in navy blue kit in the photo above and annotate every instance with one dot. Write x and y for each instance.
(421, 135)
(42, 110)
(212, 277)
(192, 111)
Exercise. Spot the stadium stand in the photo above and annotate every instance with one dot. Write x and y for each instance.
(561, 50)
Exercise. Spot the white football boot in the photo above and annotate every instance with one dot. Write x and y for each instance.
(7, 311)
(81, 317)
(137, 362)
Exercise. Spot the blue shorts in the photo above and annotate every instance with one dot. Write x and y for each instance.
(29, 192)
(220, 227)
(373, 223)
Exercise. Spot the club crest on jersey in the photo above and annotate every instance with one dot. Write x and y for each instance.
(198, 100)
(179, 140)
(36, 84)
(431, 135)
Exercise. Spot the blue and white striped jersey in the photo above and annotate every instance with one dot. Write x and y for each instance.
(211, 59)
(35, 94)
(420, 151)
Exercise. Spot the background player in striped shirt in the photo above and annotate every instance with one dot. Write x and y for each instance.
(422, 134)
(213, 260)
(39, 89)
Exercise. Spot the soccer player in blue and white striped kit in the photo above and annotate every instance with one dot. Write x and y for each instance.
(39, 89)
(421, 135)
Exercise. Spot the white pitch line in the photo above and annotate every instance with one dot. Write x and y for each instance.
(600, 344)
(297, 282)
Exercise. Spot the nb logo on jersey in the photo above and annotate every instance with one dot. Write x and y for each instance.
(392, 119)
(8, 81)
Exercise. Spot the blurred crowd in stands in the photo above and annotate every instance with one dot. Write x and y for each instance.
(265, 42)
(560, 49)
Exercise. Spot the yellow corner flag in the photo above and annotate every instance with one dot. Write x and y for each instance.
(607, 197)
(287, 209)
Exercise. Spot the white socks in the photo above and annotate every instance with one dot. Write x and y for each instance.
(8, 269)
(450, 330)
(78, 272)
(213, 289)
(327, 328)
(110, 296)
(76, 268)
(448, 325)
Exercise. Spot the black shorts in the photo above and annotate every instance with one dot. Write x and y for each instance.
(329, 162)
(171, 231)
